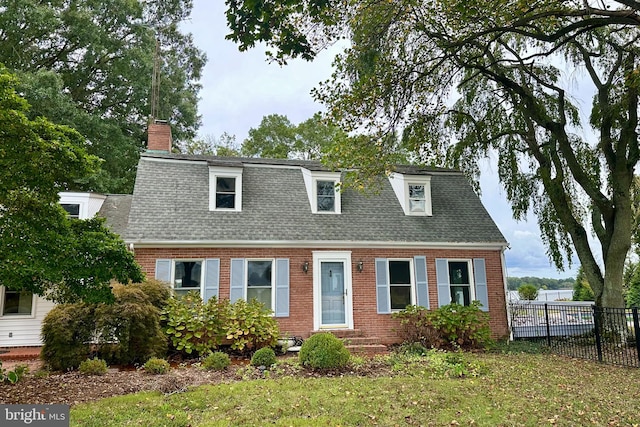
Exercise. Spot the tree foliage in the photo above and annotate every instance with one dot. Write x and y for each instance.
(89, 65)
(225, 146)
(465, 81)
(528, 292)
(582, 289)
(41, 249)
(513, 283)
(277, 138)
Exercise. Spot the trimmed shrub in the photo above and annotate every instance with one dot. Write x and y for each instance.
(323, 351)
(216, 361)
(528, 292)
(449, 326)
(264, 357)
(93, 366)
(156, 366)
(67, 331)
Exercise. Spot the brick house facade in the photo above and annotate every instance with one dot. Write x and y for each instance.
(320, 258)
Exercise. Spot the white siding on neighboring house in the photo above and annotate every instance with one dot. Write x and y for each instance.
(24, 330)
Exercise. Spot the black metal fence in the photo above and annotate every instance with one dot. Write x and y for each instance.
(582, 330)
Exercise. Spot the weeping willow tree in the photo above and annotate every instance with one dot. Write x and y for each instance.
(463, 81)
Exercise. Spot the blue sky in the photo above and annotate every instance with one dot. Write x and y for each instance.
(239, 88)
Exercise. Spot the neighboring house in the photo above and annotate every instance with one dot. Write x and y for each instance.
(281, 231)
(21, 313)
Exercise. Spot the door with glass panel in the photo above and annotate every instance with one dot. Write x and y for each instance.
(333, 294)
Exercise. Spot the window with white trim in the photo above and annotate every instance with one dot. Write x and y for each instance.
(225, 189)
(187, 276)
(225, 192)
(460, 282)
(417, 198)
(326, 196)
(72, 209)
(260, 281)
(401, 286)
(16, 303)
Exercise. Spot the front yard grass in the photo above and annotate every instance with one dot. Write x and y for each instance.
(513, 390)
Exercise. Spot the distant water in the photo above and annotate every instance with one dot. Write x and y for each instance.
(550, 295)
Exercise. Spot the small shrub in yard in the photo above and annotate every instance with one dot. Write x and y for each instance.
(323, 351)
(93, 367)
(216, 361)
(264, 357)
(452, 365)
(156, 366)
(12, 376)
(450, 326)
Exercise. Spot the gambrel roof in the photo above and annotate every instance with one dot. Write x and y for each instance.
(171, 204)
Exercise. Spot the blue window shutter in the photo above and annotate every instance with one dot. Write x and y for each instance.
(442, 276)
(163, 270)
(211, 278)
(282, 287)
(480, 279)
(422, 288)
(382, 286)
(237, 279)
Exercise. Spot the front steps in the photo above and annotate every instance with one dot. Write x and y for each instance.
(358, 344)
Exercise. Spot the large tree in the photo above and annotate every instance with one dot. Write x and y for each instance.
(464, 81)
(89, 65)
(42, 250)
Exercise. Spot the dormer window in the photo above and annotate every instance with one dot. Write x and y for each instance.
(323, 189)
(225, 189)
(326, 196)
(72, 209)
(413, 193)
(225, 192)
(417, 199)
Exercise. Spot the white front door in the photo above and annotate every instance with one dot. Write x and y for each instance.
(332, 290)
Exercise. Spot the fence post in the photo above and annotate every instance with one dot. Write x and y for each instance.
(636, 330)
(596, 327)
(546, 317)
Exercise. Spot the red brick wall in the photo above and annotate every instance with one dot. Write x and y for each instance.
(366, 319)
(159, 137)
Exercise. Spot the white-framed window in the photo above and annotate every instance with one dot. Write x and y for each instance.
(259, 281)
(460, 281)
(72, 209)
(186, 276)
(417, 198)
(401, 283)
(326, 195)
(225, 189)
(17, 303)
(323, 190)
(413, 193)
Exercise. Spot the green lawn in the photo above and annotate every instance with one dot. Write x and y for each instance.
(513, 390)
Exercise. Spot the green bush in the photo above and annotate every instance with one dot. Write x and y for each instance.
(156, 366)
(323, 351)
(194, 326)
(528, 292)
(124, 332)
(264, 357)
(216, 361)
(449, 326)
(93, 367)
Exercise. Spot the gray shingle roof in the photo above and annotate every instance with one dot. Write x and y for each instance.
(115, 209)
(171, 202)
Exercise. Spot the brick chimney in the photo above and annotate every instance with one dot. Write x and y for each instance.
(159, 137)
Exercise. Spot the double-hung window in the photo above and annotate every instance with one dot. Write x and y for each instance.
(417, 198)
(326, 196)
(225, 192)
(460, 282)
(400, 284)
(16, 303)
(187, 276)
(260, 282)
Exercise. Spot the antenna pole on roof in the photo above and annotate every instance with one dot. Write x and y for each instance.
(155, 83)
